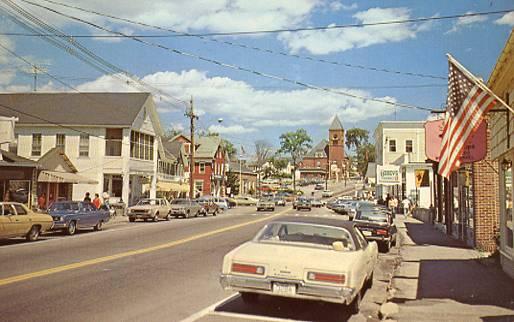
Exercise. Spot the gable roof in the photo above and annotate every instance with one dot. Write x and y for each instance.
(56, 158)
(318, 148)
(111, 109)
(10, 159)
(207, 146)
(336, 124)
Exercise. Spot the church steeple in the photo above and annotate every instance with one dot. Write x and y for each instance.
(336, 124)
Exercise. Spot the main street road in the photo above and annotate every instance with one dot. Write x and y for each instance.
(133, 272)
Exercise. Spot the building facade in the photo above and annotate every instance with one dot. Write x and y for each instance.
(109, 137)
(501, 139)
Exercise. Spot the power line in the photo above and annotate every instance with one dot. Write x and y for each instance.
(240, 45)
(232, 66)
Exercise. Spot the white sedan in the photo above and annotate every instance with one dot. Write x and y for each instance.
(309, 258)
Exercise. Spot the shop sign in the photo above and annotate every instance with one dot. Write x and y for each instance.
(474, 151)
(421, 176)
(388, 174)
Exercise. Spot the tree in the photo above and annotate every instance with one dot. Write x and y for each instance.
(296, 145)
(233, 182)
(262, 152)
(356, 137)
(170, 133)
(365, 154)
(229, 148)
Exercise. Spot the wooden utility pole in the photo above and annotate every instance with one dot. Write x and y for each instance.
(192, 117)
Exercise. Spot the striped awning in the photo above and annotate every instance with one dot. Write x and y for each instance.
(63, 177)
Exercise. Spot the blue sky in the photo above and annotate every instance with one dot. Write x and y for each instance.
(253, 107)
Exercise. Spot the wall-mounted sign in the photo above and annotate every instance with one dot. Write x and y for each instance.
(388, 174)
(474, 151)
(422, 179)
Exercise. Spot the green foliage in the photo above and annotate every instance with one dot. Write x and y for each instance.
(296, 144)
(170, 133)
(229, 148)
(365, 154)
(356, 137)
(233, 183)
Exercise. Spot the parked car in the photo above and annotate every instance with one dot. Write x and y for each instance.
(327, 194)
(317, 203)
(266, 204)
(208, 206)
(319, 186)
(245, 201)
(70, 216)
(346, 198)
(377, 225)
(302, 203)
(279, 201)
(16, 220)
(221, 203)
(231, 202)
(185, 208)
(146, 209)
(309, 258)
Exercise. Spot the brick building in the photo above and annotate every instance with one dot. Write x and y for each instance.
(327, 155)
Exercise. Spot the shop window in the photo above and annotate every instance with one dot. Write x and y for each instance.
(60, 141)
(508, 225)
(84, 145)
(113, 141)
(36, 144)
(392, 145)
(408, 146)
(141, 146)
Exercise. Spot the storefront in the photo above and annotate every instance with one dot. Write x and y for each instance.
(17, 179)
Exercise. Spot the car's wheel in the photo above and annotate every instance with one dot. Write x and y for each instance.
(249, 298)
(356, 304)
(98, 225)
(272, 209)
(132, 219)
(369, 281)
(187, 214)
(168, 217)
(215, 212)
(155, 218)
(205, 212)
(386, 246)
(33, 234)
(72, 228)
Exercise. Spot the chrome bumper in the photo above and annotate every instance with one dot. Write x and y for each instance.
(332, 294)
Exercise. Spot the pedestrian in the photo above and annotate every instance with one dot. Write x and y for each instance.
(87, 198)
(97, 202)
(41, 201)
(406, 206)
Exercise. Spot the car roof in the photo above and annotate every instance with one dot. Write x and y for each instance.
(318, 221)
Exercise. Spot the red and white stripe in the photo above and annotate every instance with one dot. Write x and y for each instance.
(459, 128)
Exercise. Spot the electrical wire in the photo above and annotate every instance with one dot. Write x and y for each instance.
(232, 66)
(240, 45)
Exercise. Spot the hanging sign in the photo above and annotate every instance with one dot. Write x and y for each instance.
(421, 176)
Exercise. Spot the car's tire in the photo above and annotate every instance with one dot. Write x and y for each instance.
(249, 298)
(155, 218)
(215, 212)
(33, 234)
(72, 228)
(187, 214)
(98, 225)
(369, 282)
(132, 219)
(272, 209)
(168, 217)
(385, 246)
(355, 306)
(205, 213)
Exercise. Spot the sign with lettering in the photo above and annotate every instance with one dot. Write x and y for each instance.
(475, 150)
(388, 174)
(422, 179)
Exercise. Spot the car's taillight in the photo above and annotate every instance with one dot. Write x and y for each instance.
(382, 232)
(323, 277)
(247, 269)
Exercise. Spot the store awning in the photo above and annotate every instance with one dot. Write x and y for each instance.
(172, 186)
(63, 177)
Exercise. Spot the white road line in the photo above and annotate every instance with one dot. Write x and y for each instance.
(208, 309)
(253, 317)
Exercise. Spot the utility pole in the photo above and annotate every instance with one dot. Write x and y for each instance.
(192, 117)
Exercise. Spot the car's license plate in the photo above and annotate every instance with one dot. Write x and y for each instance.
(284, 289)
(366, 233)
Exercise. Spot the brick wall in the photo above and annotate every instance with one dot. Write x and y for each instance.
(486, 200)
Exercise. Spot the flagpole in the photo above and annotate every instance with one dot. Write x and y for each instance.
(479, 82)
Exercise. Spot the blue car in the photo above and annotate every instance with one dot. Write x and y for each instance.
(69, 216)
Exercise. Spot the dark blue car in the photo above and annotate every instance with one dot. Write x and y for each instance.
(69, 216)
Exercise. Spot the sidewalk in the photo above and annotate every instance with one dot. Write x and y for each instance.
(440, 279)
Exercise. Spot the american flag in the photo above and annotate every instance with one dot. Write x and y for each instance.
(467, 103)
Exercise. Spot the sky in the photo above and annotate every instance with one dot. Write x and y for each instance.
(250, 106)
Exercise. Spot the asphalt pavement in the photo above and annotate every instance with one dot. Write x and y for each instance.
(147, 271)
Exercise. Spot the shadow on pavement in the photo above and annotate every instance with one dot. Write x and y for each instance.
(424, 234)
(284, 308)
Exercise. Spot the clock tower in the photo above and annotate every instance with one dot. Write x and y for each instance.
(336, 155)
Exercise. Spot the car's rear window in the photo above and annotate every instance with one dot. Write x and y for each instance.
(152, 202)
(371, 216)
(56, 206)
(179, 202)
(305, 233)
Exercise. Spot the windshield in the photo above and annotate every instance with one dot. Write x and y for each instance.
(180, 202)
(58, 206)
(305, 233)
(151, 202)
(371, 216)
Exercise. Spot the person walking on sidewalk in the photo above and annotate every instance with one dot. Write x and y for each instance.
(406, 206)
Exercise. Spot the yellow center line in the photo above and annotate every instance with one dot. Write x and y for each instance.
(94, 261)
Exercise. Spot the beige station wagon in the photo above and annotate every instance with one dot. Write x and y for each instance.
(16, 220)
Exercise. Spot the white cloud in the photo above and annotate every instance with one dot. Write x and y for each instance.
(324, 42)
(463, 22)
(238, 103)
(177, 126)
(507, 19)
(232, 129)
(338, 5)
